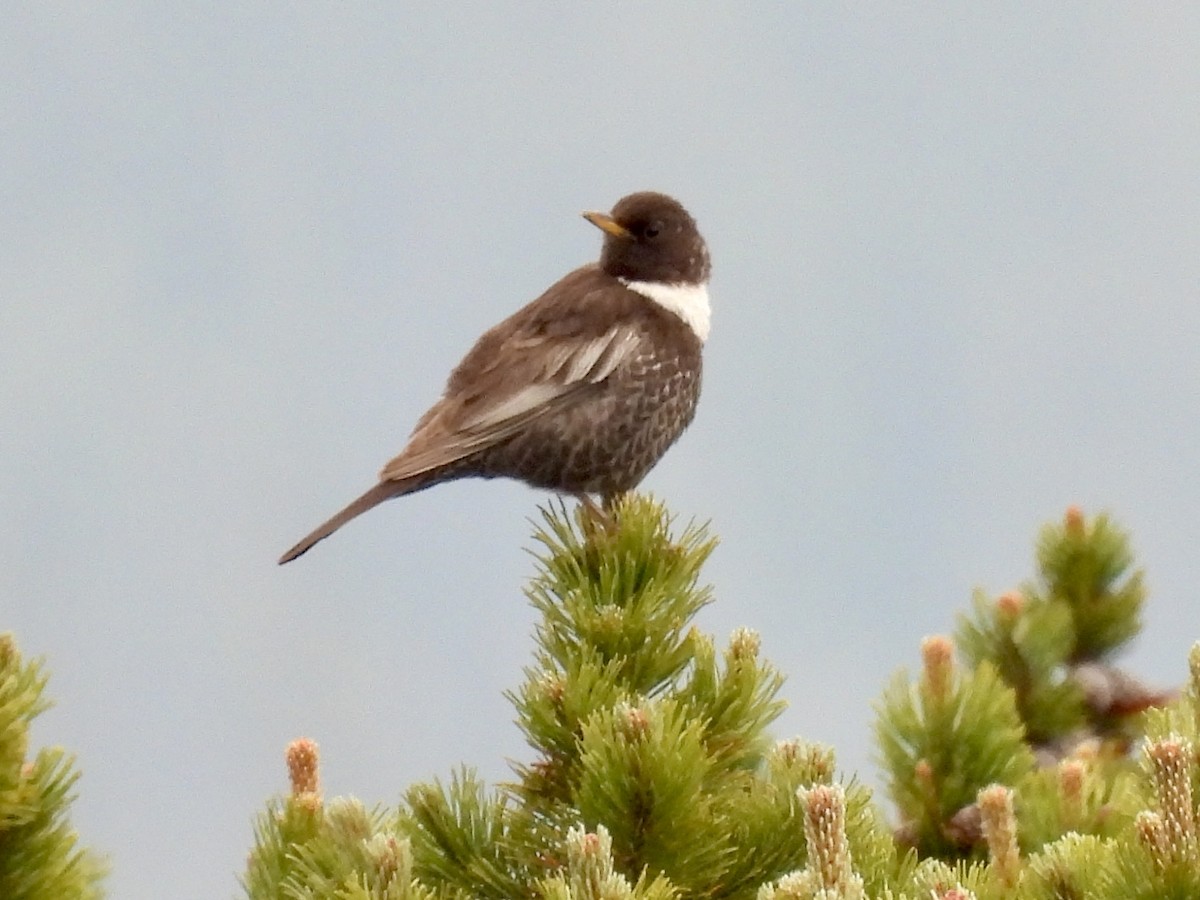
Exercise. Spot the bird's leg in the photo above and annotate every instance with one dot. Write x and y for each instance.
(592, 507)
(611, 502)
(596, 517)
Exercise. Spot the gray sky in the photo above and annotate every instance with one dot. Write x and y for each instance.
(956, 267)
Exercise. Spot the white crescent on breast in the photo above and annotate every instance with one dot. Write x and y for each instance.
(688, 301)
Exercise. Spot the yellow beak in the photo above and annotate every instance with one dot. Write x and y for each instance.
(608, 224)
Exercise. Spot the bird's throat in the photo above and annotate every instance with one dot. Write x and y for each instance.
(688, 301)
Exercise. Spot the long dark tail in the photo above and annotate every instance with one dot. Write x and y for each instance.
(385, 490)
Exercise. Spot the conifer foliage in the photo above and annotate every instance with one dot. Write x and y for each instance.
(40, 855)
(1021, 761)
(652, 776)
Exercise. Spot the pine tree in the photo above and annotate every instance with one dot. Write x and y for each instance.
(40, 856)
(1022, 762)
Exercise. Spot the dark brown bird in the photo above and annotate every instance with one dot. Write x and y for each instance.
(583, 390)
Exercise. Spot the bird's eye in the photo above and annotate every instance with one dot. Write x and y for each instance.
(651, 230)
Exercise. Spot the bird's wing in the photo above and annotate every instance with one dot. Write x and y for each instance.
(542, 371)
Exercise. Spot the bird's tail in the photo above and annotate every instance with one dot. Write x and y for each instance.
(385, 490)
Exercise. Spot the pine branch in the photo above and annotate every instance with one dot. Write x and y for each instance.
(40, 855)
(654, 775)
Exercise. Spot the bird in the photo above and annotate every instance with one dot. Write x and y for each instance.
(581, 391)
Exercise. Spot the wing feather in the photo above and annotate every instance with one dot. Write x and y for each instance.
(550, 371)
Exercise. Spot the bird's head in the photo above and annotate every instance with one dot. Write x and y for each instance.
(650, 237)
